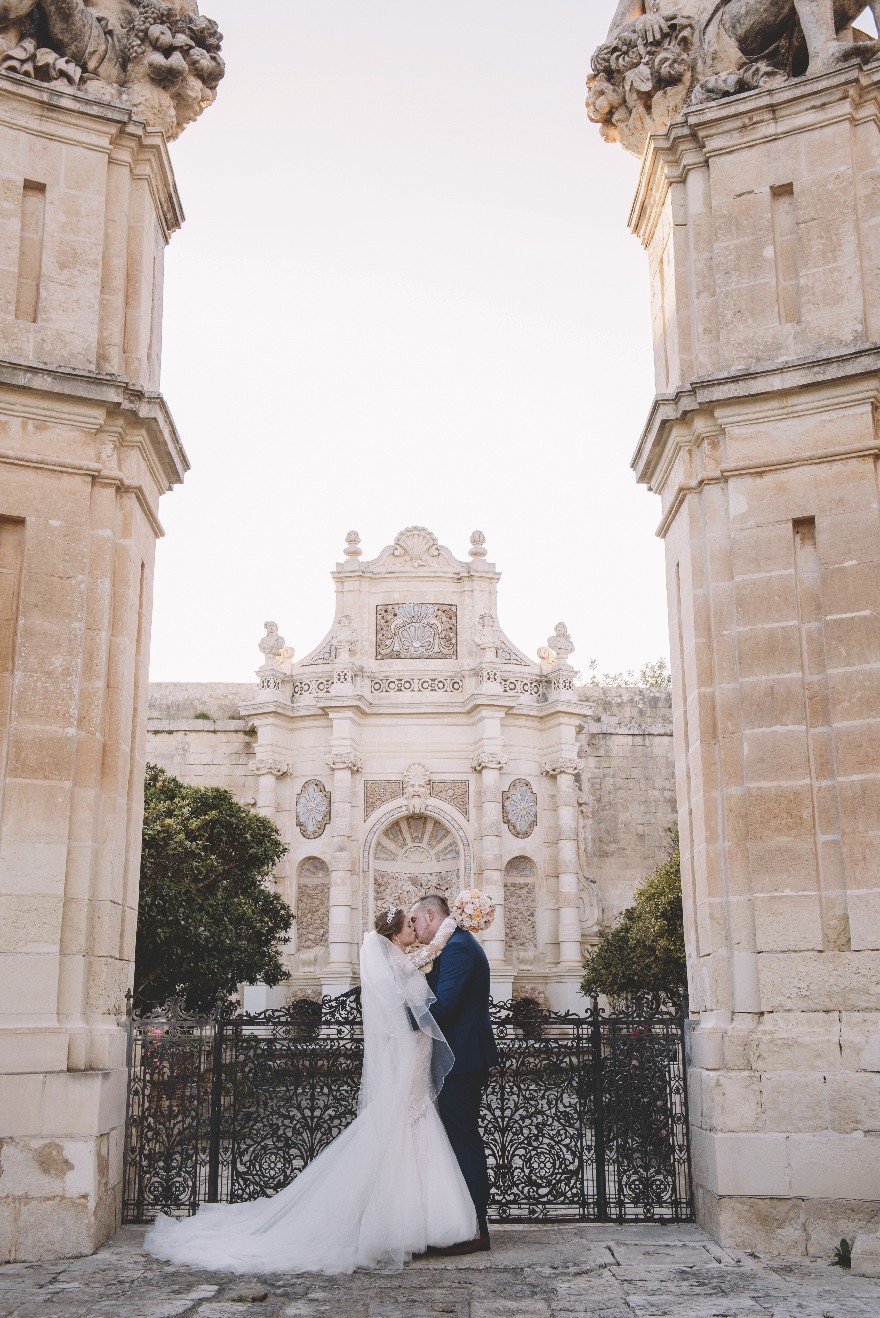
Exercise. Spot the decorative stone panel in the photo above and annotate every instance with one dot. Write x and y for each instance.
(520, 904)
(379, 791)
(519, 808)
(416, 631)
(380, 686)
(312, 809)
(312, 904)
(455, 792)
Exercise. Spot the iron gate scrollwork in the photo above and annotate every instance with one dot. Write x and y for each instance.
(585, 1118)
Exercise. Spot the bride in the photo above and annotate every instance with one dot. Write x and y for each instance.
(389, 1185)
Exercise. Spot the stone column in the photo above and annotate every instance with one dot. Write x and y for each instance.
(489, 763)
(761, 219)
(88, 447)
(338, 974)
(563, 769)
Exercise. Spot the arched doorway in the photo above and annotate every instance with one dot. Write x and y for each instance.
(412, 855)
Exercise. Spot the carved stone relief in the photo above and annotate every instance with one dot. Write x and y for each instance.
(519, 808)
(312, 904)
(379, 791)
(312, 808)
(660, 55)
(414, 855)
(415, 685)
(162, 59)
(455, 792)
(520, 904)
(416, 631)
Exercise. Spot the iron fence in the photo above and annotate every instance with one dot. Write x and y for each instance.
(585, 1118)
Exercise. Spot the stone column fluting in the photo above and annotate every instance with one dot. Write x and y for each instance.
(489, 763)
(563, 769)
(338, 974)
(760, 215)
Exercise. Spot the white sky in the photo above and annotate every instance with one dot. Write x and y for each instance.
(405, 293)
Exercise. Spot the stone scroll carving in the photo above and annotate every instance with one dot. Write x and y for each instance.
(162, 59)
(661, 55)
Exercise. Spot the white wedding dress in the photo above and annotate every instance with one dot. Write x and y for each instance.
(385, 1189)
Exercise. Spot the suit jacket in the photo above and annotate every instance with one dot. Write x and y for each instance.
(459, 980)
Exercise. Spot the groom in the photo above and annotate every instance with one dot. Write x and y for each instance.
(459, 981)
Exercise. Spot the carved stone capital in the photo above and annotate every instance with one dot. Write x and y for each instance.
(270, 764)
(559, 764)
(345, 760)
(488, 760)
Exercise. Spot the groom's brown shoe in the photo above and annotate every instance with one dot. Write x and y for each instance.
(478, 1245)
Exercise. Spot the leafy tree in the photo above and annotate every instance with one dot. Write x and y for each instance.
(643, 955)
(654, 673)
(208, 919)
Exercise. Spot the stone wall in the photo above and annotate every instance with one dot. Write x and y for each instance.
(194, 732)
(627, 796)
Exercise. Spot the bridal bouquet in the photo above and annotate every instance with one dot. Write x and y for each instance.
(473, 910)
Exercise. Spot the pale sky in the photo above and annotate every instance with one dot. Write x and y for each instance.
(405, 293)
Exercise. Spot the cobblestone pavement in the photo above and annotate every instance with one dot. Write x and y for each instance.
(532, 1272)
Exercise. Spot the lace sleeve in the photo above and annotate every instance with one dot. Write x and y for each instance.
(441, 938)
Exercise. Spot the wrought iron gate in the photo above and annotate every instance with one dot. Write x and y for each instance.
(585, 1119)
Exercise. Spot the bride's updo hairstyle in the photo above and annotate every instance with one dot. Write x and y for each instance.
(390, 922)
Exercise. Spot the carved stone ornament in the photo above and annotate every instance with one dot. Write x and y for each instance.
(560, 764)
(519, 808)
(272, 645)
(417, 788)
(478, 545)
(379, 791)
(353, 545)
(488, 760)
(561, 644)
(416, 547)
(416, 631)
(312, 808)
(270, 764)
(161, 59)
(346, 638)
(454, 792)
(345, 760)
(487, 638)
(661, 55)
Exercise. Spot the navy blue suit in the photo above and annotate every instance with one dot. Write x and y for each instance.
(460, 982)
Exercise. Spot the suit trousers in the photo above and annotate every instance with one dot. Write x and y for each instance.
(459, 1108)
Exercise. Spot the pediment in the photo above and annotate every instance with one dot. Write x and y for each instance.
(417, 550)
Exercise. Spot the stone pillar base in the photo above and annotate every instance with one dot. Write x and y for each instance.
(781, 1227)
(60, 1183)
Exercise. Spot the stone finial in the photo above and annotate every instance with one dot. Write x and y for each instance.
(162, 59)
(561, 644)
(353, 545)
(660, 55)
(272, 645)
(478, 545)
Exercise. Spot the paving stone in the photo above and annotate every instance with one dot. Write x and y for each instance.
(532, 1272)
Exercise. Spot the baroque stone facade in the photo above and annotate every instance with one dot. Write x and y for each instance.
(446, 757)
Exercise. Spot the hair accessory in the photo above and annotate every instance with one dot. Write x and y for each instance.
(390, 913)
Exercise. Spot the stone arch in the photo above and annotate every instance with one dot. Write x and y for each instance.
(402, 846)
(312, 904)
(521, 905)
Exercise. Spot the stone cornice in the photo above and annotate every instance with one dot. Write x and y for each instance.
(87, 398)
(749, 394)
